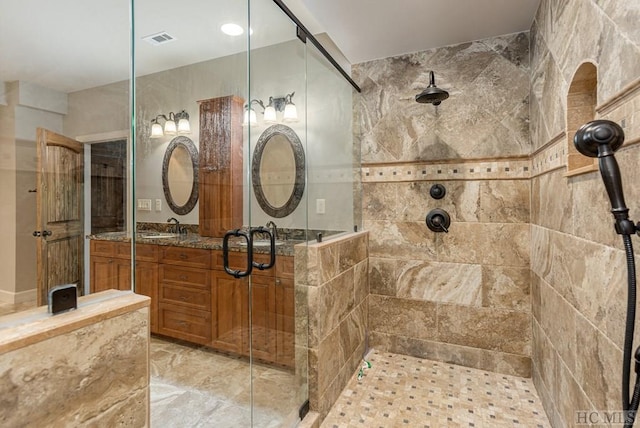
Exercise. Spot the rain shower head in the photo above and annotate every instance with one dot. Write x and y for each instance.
(432, 94)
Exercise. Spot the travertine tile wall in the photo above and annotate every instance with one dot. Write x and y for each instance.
(333, 277)
(577, 262)
(461, 297)
(88, 367)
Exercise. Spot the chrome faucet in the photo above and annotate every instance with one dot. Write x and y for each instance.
(274, 229)
(176, 226)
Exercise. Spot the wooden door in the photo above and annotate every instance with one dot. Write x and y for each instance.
(60, 246)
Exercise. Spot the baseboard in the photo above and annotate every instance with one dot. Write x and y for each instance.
(19, 297)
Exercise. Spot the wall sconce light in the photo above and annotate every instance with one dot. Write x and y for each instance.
(276, 104)
(250, 117)
(175, 123)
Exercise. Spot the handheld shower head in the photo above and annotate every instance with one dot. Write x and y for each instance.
(601, 138)
(598, 138)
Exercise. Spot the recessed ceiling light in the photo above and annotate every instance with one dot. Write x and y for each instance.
(232, 29)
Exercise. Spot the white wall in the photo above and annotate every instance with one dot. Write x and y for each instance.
(277, 71)
(29, 107)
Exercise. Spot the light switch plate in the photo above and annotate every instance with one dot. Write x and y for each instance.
(320, 206)
(158, 204)
(144, 204)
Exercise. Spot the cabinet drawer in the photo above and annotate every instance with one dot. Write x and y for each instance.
(103, 248)
(198, 278)
(284, 267)
(193, 257)
(122, 250)
(238, 261)
(144, 252)
(186, 296)
(185, 323)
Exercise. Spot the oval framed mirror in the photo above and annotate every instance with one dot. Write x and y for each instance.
(277, 171)
(180, 175)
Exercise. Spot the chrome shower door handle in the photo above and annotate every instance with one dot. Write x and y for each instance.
(272, 248)
(225, 253)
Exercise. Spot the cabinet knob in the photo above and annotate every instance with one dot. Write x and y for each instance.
(182, 256)
(183, 277)
(184, 298)
(278, 282)
(183, 323)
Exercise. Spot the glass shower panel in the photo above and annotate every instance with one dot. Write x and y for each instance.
(333, 153)
(276, 189)
(188, 193)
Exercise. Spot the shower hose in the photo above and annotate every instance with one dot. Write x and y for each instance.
(630, 407)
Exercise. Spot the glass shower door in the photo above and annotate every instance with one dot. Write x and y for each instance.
(275, 132)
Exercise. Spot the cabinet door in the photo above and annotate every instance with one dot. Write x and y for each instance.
(285, 322)
(220, 165)
(229, 312)
(263, 318)
(103, 274)
(147, 285)
(123, 274)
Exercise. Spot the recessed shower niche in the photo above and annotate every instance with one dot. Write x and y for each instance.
(581, 108)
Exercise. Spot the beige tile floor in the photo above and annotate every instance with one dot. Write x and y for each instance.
(402, 391)
(194, 387)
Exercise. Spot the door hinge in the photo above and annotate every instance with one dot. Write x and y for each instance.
(304, 409)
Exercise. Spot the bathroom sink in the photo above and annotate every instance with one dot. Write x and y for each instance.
(260, 243)
(157, 235)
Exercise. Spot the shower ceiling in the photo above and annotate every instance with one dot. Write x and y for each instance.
(372, 29)
(70, 45)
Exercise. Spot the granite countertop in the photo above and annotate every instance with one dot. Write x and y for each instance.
(193, 240)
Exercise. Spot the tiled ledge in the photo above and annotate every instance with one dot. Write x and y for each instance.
(25, 328)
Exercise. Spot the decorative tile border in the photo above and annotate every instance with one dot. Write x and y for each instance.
(552, 156)
(496, 169)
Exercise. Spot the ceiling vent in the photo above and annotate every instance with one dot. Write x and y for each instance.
(160, 38)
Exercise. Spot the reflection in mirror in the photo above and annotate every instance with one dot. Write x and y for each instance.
(180, 175)
(278, 171)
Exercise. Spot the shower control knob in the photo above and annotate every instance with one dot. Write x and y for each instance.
(437, 191)
(438, 220)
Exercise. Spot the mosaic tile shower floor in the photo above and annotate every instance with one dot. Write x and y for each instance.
(403, 391)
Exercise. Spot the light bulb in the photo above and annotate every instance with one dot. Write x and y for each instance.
(184, 127)
(270, 114)
(290, 113)
(170, 127)
(249, 118)
(156, 131)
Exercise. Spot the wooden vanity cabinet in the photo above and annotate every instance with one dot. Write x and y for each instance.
(272, 309)
(110, 268)
(184, 294)
(220, 165)
(194, 299)
(229, 312)
(285, 312)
